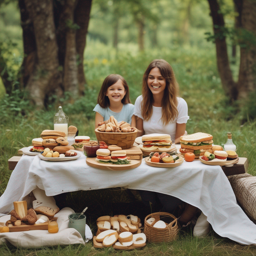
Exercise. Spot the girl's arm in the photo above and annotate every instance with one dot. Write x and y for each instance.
(98, 118)
(139, 126)
(180, 130)
(133, 122)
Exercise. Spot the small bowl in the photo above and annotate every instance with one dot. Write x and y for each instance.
(90, 150)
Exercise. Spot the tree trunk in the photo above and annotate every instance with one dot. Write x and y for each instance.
(70, 80)
(185, 27)
(29, 45)
(45, 76)
(229, 85)
(247, 71)
(82, 17)
(141, 27)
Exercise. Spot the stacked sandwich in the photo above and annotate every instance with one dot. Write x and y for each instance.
(115, 157)
(156, 143)
(197, 143)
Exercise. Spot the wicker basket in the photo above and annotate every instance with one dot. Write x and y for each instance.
(124, 140)
(157, 235)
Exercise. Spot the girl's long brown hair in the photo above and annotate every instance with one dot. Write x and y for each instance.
(169, 102)
(103, 100)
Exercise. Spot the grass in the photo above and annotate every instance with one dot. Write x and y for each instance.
(200, 86)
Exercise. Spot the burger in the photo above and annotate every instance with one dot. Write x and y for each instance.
(52, 134)
(156, 142)
(80, 141)
(103, 155)
(119, 157)
(37, 144)
(197, 143)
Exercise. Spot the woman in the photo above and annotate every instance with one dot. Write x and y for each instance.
(160, 110)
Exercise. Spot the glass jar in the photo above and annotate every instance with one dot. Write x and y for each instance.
(61, 121)
(53, 227)
(229, 145)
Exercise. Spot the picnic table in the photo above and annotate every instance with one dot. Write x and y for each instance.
(203, 186)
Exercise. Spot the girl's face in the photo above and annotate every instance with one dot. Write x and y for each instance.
(156, 83)
(116, 92)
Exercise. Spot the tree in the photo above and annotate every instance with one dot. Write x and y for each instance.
(246, 38)
(54, 39)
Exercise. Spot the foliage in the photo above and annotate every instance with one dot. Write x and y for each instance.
(249, 108)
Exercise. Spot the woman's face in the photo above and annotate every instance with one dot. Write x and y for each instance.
(116, 92)
(156, 83)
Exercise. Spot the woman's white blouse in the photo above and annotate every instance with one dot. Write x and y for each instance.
(155, 124)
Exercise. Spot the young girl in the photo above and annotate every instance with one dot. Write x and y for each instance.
(114, 100)
(160, 110)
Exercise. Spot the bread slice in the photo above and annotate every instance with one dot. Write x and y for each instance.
(156, 137)
(196, 137)
(100, 237)
(50, 212)
(97, 244)
(110, 240)
(196, 147)
(139, 240)
(125, 237)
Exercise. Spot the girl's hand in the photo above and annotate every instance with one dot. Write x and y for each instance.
(98, 119)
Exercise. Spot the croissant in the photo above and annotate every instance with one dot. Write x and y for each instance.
(102, 128)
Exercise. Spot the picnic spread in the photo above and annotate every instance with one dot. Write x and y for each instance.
(59, 168)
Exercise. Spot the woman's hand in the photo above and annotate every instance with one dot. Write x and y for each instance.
(139, 126)
(180, 130)
(98, 118)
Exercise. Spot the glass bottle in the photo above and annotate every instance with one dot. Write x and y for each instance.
(229, 144)
(61, 121)
(53, 227)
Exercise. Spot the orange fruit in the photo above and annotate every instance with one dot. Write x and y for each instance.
(4, 229)
(189, 157)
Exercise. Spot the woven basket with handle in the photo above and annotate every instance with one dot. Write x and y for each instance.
(158, 235)
(124, 140)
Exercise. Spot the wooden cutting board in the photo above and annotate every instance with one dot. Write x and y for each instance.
(41, 226)
(112, 167)
(134, 153)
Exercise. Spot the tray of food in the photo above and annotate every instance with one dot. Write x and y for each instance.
(220, 157)
(163, 159)
(112, 160)
(54, 156)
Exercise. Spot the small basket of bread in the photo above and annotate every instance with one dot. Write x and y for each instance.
(161, 227)
(114, 133)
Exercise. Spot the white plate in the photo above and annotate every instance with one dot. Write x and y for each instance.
(138, 140)
(60, 159)
(26, 151)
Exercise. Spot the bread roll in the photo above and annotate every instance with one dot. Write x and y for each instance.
(63, 149)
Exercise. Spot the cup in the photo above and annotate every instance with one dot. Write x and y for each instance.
(78, 224)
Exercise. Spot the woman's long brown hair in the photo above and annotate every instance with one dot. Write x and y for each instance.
(111, 79)
(170, 101)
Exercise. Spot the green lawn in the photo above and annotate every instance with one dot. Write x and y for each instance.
(200, 86)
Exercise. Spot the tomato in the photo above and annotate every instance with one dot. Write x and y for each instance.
(220, 157)
(103, 146)
(116, 157)
(164, 154)
(104, 157)
(205, 158)
(189, 157)
(156, 154)
(155, 159)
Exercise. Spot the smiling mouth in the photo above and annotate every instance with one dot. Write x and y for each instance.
(155, 87)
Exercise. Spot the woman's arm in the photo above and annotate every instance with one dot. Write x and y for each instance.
(98, 118)
(180, 130)
(139, 126)
(133, 122)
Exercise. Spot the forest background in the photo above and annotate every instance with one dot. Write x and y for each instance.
(206, 43)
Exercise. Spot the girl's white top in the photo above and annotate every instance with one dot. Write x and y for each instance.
(155, 124)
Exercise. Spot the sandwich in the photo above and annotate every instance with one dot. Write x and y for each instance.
(80, 141)
(119, 157)
(103, 155)
(197, 143)
(63, 149)
(52, 134)
(156, 142)
(50, 143)
(37, 144)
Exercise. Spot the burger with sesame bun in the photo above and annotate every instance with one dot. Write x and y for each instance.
(197, 143)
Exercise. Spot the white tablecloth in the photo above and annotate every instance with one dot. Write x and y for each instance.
(203, 186)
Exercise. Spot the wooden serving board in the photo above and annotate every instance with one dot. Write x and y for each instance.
(41, 226)
(134, 153)
(163, 165)
(221, 163)
(113, 167)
